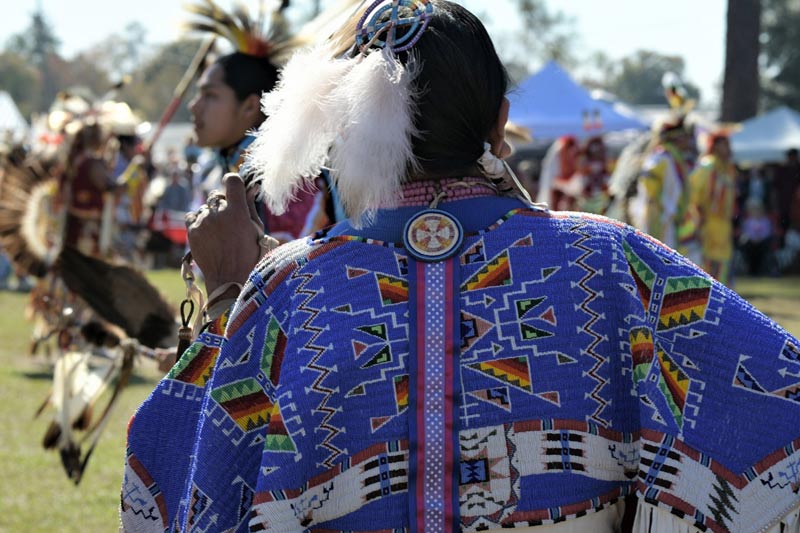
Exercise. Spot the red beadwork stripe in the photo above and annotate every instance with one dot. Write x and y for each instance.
(419, 193)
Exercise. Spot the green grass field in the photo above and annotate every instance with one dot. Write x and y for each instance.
(37, 496)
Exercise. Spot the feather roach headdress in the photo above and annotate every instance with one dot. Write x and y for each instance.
(680, 106)
(269, 39)
(675, 93)
(248, 35)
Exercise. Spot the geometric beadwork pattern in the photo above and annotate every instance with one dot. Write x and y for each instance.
(590, 327)
(790, 352)
(685, 301)
(643, 275)
(474, 471)
(745, 379)
(376, 330)
(524, 308)
(245, 402)
(514, 371)
(401, 393)
(488, 482)
(142, 496)
(474, 254)
(473, 328)
(379, 472)
(561, 449)
(497, 396)
(670, 469)
(673, 384)
(393, 290)
(278, 436)
(273, 351)
(495, 273)
(200, 518)
(245, 501)
(197, 363)
(323, 387)
(578, 361)
(642, 351)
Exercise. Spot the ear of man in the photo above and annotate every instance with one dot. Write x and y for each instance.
(497, 135)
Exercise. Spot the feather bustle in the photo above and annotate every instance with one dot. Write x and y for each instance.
(24, 193)
(120, 295)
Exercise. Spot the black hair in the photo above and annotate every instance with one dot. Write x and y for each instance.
(461, 86)
(247, 74)
(792, 152)
(128, 140)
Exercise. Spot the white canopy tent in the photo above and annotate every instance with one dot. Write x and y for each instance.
(11, 120)
(551, 104)
(766, 138)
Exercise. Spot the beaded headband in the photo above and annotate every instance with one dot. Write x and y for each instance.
(383, 18)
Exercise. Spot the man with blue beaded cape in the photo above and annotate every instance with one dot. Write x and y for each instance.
(453, 357)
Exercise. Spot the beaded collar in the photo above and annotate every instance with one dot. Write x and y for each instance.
(232, 158)
(431, 234)
(431, 192)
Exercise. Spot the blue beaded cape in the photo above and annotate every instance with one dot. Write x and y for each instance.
(556, 364)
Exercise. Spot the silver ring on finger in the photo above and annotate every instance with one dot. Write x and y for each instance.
(214, 202)
(192, 216)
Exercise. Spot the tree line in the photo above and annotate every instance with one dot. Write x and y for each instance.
(762, 67)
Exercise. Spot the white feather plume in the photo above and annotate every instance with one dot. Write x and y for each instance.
(355, 114)
(291, 146)
(373, 153)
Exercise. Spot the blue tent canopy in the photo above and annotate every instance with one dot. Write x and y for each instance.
(551, 104)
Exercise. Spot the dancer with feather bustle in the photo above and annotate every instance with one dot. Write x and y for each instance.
(84, 187)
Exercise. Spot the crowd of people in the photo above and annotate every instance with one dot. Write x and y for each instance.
(768, 222)
(730, 219)
(727, 218)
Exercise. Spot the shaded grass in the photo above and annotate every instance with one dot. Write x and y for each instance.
(37, 496)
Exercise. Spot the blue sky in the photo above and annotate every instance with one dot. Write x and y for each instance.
(692, 29)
